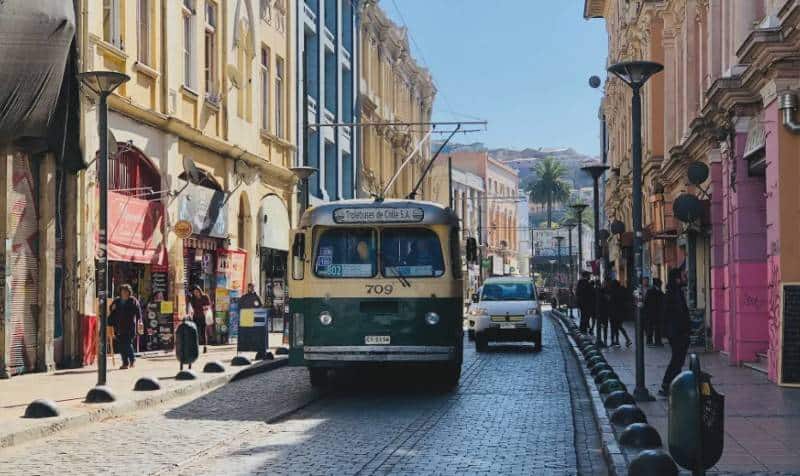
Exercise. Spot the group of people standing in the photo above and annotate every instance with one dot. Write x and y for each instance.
(664, 314)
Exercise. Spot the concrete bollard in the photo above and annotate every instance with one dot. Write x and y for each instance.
(147, 384)
(626, 415)
(653, 462)
(615, 399)
(611, 385)
(240, 361)
(213, 367)
(640, 436)
(42, 408)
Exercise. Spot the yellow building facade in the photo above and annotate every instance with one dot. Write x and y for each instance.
(203, 131)
(393, 88)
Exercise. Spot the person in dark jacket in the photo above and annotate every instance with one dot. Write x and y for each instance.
(584, 293)
(653, 306)
(677, 326)
(199, 302)
(250, 298)
(620, 307)
(603, 295)
(125, 315)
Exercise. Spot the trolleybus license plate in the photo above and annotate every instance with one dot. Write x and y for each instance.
(377, 340)
(507, 325)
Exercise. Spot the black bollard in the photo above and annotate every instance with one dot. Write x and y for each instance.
(42, 408)
(626, 415)
(640, 436)
(653, 462)
(620, 397)
(147, 384)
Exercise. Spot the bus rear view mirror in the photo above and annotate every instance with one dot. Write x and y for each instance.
(298, 256)
(472, 250)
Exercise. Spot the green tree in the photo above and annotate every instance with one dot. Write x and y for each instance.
(549, 185)
(587, 217)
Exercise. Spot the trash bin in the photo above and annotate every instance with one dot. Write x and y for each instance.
(187, 346)
(696, 419)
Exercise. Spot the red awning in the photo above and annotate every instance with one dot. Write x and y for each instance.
(134, 230)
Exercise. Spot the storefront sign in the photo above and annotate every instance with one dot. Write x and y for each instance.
(183, 229)
(205, 209)
(378, 215)
(231, 267)
(133, 229)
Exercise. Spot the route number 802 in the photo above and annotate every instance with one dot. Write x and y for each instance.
(380, 289)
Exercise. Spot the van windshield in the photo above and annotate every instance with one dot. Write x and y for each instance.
(507, 292)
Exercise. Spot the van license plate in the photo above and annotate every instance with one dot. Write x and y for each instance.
(377, 340)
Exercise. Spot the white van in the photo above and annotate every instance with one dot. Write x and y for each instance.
(506, 309)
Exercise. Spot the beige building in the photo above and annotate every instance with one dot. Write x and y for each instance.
(204, 132)
(392, 88)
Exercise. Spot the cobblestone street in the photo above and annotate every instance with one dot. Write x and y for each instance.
(512, 414)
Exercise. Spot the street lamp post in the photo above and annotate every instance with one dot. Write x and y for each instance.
(559, 240)
(570, 226)
(102, 83)
(635, 74)
(579, 208)
(596, 171)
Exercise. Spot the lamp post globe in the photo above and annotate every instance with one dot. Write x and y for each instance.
(635, 74)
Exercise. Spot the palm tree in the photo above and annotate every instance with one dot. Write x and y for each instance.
(587, 217)
(549, 186)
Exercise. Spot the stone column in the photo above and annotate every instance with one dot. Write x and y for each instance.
(5, 270)
(47, 263)
(719, 310)
(71, 313)
(670, 87)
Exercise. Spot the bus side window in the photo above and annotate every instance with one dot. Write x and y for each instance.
(298, 256)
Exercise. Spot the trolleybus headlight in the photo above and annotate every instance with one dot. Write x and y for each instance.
(432, 318)
(325, 318)
(533, 311)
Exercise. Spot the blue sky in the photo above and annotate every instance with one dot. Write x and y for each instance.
(523, 65)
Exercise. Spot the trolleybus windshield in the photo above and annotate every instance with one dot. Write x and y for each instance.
(346, 253)
(411, 252)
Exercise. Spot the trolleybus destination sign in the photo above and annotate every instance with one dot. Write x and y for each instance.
(378, 215)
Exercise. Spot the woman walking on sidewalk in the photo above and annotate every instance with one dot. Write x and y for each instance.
(200, 307)
(677, 326)
(125, 316)
(603, 295)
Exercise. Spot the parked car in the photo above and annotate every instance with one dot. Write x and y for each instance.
(471, 313)
(507, 309)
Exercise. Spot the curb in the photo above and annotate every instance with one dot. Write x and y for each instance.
(122, 408)
(615, 458)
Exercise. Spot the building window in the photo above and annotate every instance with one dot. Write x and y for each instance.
(330, 15)
(188, 43)
(210, 68)
(330, 82)
(279, 100)
(111, 23)
(143, 29)
(265, 84)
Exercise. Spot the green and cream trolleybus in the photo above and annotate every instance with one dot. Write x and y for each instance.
(377, 282)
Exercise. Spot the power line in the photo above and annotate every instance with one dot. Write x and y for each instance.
(447, 104)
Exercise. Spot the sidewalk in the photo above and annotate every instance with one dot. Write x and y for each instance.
(762, 420)
(68, 388)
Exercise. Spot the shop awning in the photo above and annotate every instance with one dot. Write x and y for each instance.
(36, 37)
(134, 227)
(274, 223)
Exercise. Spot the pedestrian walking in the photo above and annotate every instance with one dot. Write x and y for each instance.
(620, 307)
(677, 326)
(126, 314)
(202, 313)
(585, 294)
(603, 295)
(653, 307)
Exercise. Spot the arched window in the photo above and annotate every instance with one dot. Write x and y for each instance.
(130, 172)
